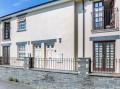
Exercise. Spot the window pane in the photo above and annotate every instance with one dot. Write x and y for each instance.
(21, 51)
(21, 25)
(100, 4)
(96, 4)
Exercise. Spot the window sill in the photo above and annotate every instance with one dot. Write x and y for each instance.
(4, 40)
(105, 30)
(21, 30)
(10, 66)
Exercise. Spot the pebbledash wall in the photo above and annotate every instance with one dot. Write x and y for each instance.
(46, 79)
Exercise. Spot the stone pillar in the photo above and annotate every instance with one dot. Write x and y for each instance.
(26, 62)
(84, 66)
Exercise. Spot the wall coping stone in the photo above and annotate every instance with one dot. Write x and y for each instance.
(44, 70)
(56, 71)
(109, 75)
(8, 66)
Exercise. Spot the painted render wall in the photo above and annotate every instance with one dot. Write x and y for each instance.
(58, 22)
(49, 23)
(88, 33)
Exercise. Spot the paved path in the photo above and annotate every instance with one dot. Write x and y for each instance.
(12, 85)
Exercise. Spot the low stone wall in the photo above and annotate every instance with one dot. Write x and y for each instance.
(46, 79)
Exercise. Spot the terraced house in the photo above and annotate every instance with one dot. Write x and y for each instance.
(55, 34)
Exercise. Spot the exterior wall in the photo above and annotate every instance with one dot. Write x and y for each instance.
(89, 33)
(59, 22)
(80, 30)
(49, 23)
(89, 8)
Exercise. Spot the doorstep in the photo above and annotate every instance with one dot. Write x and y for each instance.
(115, 75)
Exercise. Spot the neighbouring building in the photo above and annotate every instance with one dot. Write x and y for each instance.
(61, 30)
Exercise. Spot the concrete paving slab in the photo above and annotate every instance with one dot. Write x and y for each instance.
(13, 85)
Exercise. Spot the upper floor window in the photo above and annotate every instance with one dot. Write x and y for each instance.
(98, 13)
(6, 31)
(104, 14)
(21, 23)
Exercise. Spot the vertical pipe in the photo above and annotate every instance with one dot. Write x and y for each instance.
(83, 2)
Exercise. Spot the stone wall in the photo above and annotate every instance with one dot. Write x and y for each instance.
(46, 79)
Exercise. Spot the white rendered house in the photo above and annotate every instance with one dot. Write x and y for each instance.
(62, 29)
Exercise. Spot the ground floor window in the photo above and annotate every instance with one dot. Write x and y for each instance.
(104, 55)
(21, 51)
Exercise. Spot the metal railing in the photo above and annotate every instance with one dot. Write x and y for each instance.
(13, 61)
(41, 63)
(106, 19)
(55, 63)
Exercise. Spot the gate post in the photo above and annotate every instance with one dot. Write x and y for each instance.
(31, 62)
(1, 60)
(84, 66)
(26, 62)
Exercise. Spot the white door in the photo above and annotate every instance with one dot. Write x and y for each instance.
(50, 51)
(39, 60)
(50, 56)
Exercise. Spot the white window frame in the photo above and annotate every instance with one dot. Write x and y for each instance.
(21, 23)
(21, 51)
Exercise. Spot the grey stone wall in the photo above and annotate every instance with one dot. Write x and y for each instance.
(45, 79)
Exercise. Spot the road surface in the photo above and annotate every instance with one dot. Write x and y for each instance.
(12, 85)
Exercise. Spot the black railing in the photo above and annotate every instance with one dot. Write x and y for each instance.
(55, 63)
(106, 19)
(42, 63)
(13, 61)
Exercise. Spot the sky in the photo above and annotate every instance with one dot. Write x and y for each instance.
(10, 6)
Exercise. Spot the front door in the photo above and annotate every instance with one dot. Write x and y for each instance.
(50, 56)
(6, 55)
(38, 56)
(50, 51)
(104, 56)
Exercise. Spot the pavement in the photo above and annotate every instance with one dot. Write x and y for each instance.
(13, 85)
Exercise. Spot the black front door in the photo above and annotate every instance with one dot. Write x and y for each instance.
(6, 55)
(104, 56)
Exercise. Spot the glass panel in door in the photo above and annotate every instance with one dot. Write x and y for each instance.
(110, 56)
(104, 56)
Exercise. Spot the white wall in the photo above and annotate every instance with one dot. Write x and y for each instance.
(49, 23)
(88, 33)
(80, 30)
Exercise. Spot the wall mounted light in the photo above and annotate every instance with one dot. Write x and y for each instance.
(60, 40)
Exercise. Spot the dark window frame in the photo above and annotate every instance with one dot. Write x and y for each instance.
(6, 31)
(104, 56)
(94, 17)
(106, 24)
